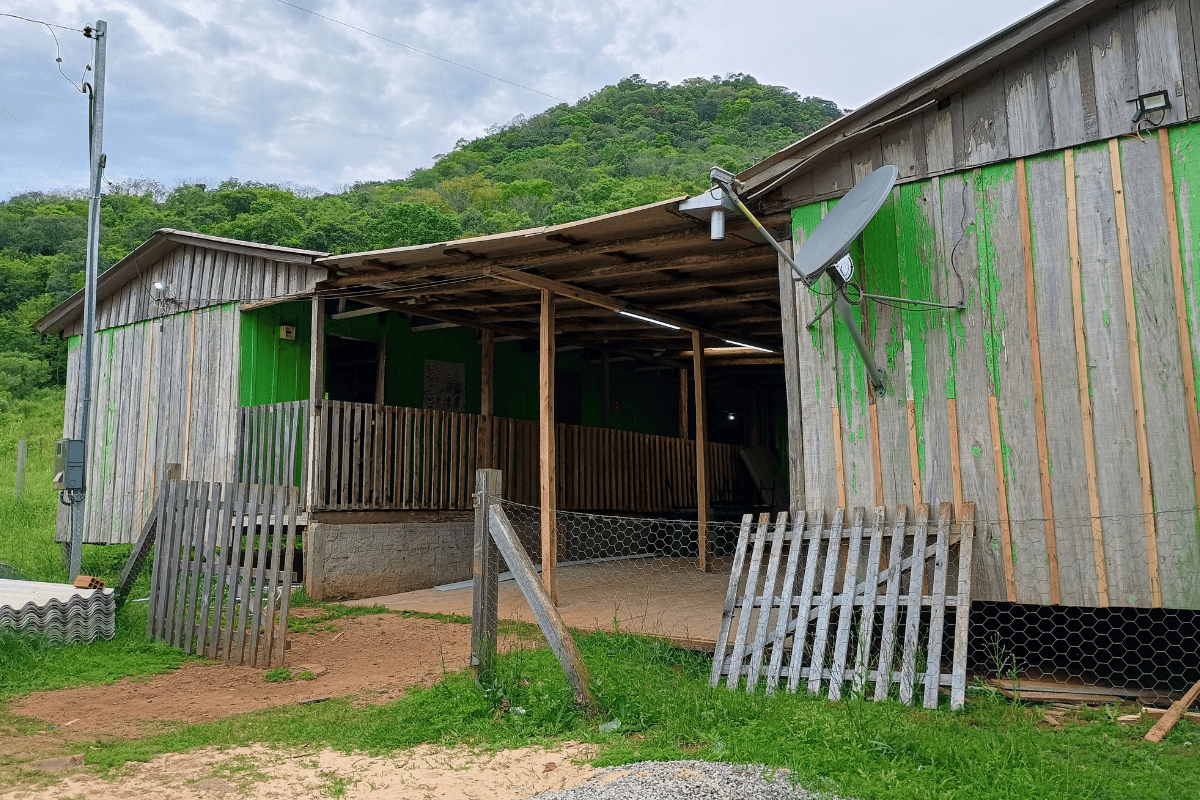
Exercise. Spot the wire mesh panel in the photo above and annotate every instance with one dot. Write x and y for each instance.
(639, 574)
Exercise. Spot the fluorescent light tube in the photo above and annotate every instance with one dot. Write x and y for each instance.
(647, 319)
(752, 347)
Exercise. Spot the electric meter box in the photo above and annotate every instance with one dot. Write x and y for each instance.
(68, 464)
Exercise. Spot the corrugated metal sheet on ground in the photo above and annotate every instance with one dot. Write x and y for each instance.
(58, 611)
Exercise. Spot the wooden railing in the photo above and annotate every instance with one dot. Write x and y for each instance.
(270, 438)
(374, 457)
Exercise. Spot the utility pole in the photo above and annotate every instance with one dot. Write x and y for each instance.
(99, 36)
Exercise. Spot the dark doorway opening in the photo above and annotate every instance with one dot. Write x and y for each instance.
(568, 397)
(351, 369)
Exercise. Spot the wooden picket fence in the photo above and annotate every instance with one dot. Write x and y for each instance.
(827, 624)
(387, 457)
(217, 589)
(270, 439)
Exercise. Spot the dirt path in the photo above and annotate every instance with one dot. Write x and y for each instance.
(424, 773)
(381, 654)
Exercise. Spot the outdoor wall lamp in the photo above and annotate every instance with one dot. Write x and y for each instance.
(1150, 103)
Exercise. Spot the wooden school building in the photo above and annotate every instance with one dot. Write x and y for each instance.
(1046, 177)
(426, 363)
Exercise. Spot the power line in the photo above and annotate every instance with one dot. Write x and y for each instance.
(41, 22)
(57, 47)
(423, 52)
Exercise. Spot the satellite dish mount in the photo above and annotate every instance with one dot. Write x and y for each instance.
(827, 251)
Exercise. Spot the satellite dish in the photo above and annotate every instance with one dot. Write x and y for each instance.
(830, 242)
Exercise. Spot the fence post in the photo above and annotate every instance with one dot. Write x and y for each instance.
(22, 449)
(486, 571)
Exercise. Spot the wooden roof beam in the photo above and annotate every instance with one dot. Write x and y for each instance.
(703, 282)
(613, 304)
(722, 300)
(472, 265)
(524, 333)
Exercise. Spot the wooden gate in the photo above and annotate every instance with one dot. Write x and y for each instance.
(217, 589)
(826, 623)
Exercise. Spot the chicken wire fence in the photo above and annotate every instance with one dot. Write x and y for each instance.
(1073, 609)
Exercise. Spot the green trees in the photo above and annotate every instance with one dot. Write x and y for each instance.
(625, 145)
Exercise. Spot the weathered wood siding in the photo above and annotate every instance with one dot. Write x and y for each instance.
(1064, 93)
(163, 391)
(1076, 266)
(199, 277)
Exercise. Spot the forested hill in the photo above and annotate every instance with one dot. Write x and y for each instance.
(623, 146)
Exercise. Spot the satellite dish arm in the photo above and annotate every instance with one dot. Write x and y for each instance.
(729, 184)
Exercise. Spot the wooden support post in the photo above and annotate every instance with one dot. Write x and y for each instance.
(606, 360)
(486, 573)
(22, 450)
(705, 547)
(1085, 390)
(316, 393)
(1035, 353)
(684, 401)
(548, 458)
(1135, 369)
(552, 625)
(487, 396)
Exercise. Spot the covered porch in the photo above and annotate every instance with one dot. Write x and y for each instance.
(619, 365)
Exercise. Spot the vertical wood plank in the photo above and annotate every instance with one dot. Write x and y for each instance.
(866, 622)
(786, 593)
(937, 612)
(824, 603)
(768, 601)
(1035, 363)
(1135, 367)
(749, 593)
(846, 602)
(912, 619)
(887, 636)
(962, 607)
(731, 594)
(805, 598)
(1083, 384)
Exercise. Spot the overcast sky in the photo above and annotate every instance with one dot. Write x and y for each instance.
(254, 89)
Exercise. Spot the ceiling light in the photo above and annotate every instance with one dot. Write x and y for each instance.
(750, 346)
(647, 319)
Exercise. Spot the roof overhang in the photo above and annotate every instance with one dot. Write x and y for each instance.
(928, 88)
(158, 245)
(612, 274)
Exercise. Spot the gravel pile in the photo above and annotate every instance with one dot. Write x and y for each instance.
(687, 780)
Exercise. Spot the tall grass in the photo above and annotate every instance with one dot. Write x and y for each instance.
(27, 525)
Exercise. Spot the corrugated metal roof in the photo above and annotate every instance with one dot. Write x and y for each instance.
(58, 611)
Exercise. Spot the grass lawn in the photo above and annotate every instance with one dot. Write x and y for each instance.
(993, 748)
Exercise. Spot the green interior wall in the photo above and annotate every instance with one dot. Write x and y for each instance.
(275, 370)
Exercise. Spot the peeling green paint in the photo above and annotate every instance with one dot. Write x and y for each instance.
(1107, 321)
(976, 450)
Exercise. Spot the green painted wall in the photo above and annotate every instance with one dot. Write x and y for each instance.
(276, 370)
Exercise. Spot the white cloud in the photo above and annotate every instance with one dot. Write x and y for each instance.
(260, 91)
